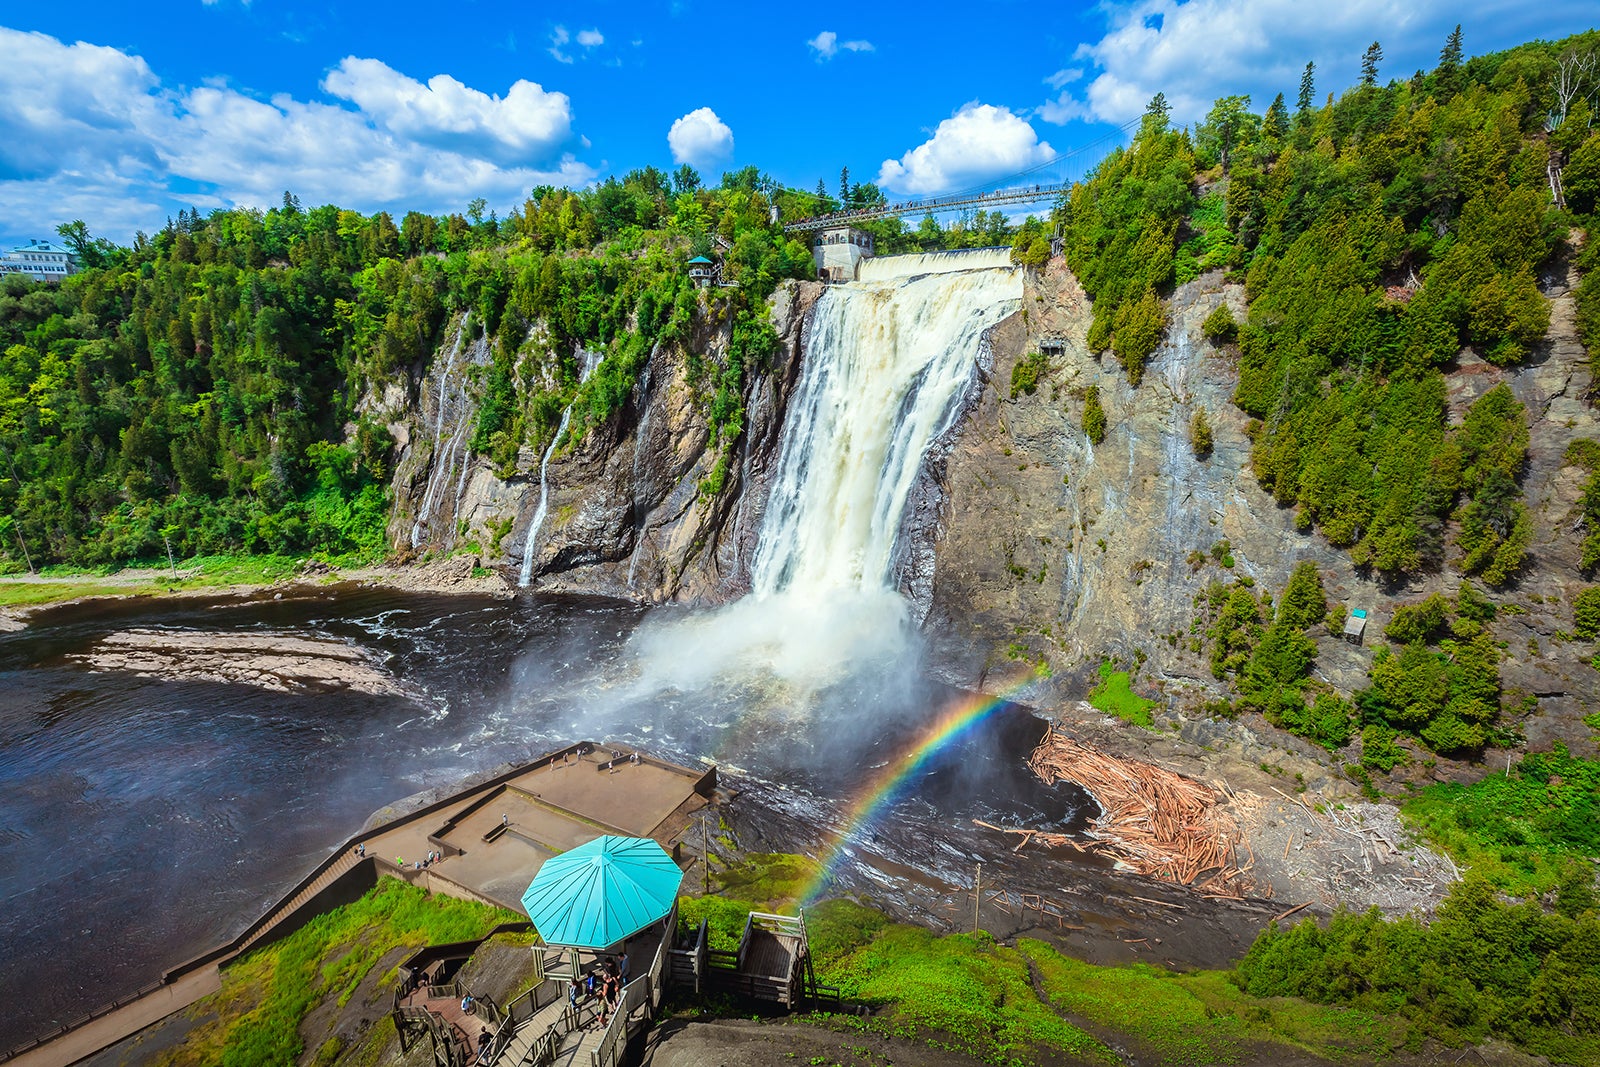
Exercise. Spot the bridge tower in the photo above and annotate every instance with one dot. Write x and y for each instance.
(839, 251)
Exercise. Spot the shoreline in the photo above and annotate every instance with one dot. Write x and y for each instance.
(454, 575)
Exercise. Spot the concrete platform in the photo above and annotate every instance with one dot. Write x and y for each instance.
(494, 839)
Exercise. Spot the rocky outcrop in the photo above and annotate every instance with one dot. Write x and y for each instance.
(1055, 553)
(626, 514)
(1029, 553)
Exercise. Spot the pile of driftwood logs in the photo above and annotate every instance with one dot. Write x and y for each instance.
(1155, 821)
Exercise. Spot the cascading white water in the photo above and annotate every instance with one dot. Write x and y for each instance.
(888, 358)
(449, 401)
(888, 361)
(591, 360)
(641, 436)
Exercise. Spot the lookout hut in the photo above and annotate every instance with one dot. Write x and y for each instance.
(839, 251)
(702, 272)
(1355, 624)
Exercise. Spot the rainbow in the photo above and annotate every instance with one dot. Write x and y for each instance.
(891, 780)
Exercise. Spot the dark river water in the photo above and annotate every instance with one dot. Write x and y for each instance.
(145, 821)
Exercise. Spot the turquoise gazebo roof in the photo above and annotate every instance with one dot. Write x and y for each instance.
(602, 892)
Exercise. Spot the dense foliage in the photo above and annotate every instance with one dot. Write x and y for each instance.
(201, 391)
(1528, 830)
(1481, 967)
(1377, 236)
(1119, 229)
(1266, 655)
(1442, 686)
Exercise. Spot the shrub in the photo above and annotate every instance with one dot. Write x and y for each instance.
(1094, 416)
(1025, 374)
(1220, 325)
(1200, 434)
(1418, 622)
(1586, 613)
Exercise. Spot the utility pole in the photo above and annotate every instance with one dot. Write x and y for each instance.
(977, 897)
(705, 854)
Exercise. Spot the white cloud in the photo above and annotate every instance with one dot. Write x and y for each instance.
(700, 138)
(1197, 50)
(560, 38)
(527, 121)
(827, 44)
(1064, 77)
(90, 132)
(978, 142)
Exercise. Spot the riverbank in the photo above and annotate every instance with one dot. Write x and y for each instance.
(24, 595)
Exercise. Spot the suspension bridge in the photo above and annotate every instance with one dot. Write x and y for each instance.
(1039, 183)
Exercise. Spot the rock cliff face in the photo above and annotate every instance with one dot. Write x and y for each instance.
(1054, 553)
(626, 515)
(1029, 553)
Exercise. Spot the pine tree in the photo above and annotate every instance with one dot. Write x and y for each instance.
(844, 186)
(1155, 115)
(1308, 93)
(1276, 121)
(1448, 76)
(1369, 64)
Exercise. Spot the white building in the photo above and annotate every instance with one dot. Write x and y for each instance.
(839, 251)
(41, 260)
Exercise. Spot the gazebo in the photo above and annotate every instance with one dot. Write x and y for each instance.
(601, 893)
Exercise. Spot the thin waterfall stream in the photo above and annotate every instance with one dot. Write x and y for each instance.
(591, 360)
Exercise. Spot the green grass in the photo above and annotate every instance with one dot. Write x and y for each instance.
(16, 593)
(960, 990)
(1201, 1019)
(1525, 831)
(1115, 696)
(774, 880)
(55, 584)
(254, 1019)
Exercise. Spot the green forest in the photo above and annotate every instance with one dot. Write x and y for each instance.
(1376, 234)
(201, 391)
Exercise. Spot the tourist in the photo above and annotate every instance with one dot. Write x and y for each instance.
(622, 969)
(572, 995)
(468, 1004)
(505, 820)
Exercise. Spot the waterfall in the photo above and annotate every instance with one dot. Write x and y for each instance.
(889, 361)
(443, 459)
(641, 436)
(591, 360)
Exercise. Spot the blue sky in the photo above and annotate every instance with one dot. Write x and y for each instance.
(121, 113)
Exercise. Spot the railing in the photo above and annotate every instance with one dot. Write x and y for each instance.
(644, 992)
(520, 1011)
(689, 964)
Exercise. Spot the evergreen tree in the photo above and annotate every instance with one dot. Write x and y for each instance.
(1447, 77)
(1369, 64)
(1275, 124)
(1155, 115)
(1094, 416)
(844, 186)
(1308, 94)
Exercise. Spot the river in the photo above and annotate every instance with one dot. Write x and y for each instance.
(147, 820)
